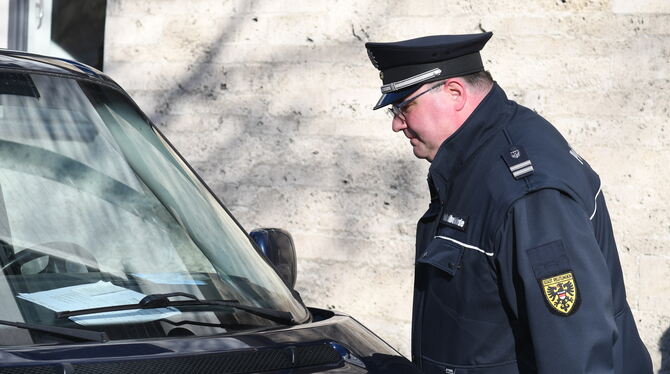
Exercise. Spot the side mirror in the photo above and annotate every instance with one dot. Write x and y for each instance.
(277, 246)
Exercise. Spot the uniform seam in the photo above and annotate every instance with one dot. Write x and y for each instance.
(567, 191)
(499, 226)
(619, 313)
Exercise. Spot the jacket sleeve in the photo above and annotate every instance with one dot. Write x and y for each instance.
(557, 283)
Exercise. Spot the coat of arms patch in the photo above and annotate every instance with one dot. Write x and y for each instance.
(560, 292)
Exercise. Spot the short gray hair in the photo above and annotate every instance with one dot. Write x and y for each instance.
(480, 81)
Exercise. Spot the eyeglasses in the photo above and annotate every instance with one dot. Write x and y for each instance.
(398, 110)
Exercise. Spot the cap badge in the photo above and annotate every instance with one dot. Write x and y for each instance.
(373, 59)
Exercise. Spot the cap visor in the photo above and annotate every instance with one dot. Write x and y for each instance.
(393, 97)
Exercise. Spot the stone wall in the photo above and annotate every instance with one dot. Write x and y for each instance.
(271, 102)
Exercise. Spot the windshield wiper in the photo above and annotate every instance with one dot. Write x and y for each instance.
(95, 336)
(154, 301)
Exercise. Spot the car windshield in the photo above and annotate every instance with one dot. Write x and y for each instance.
(97, 209)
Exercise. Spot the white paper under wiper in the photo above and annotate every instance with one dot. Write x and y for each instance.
(96, 295)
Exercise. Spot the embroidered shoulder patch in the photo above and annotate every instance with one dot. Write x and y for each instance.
(560, 293)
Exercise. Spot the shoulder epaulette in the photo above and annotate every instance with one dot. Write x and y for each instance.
(518, 162)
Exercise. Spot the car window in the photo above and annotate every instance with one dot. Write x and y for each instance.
(91, 192)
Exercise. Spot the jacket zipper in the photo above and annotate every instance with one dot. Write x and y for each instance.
(432, 232)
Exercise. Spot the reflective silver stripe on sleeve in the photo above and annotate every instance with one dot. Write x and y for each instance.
(463, 244)
(575, 155)
(595, 203)
(394, 86)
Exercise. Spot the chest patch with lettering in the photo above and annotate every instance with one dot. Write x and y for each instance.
(561, 294)
(458, 222)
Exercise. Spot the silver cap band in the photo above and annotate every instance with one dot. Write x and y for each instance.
(399, 85)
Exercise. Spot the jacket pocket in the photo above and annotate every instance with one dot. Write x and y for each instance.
(444, 255)
(431, 366)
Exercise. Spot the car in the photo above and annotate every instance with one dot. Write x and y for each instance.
(117, 258)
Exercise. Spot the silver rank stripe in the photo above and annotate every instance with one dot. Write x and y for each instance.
(521, 169)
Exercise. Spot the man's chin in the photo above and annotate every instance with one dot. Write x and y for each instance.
(420, 153)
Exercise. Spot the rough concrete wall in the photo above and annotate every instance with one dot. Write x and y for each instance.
(270, 101)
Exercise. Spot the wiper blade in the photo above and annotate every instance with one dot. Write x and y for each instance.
(154, 301)
(95, 336)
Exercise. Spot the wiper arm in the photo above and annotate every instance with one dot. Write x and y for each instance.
(154, 301)
(95, 336)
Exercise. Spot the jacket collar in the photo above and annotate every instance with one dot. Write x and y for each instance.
(486, 120)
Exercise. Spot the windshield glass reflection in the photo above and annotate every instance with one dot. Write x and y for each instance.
(90, 192)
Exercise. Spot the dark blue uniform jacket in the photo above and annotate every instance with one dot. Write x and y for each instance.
(517, 269)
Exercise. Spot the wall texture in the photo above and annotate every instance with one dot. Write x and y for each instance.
(271, 102)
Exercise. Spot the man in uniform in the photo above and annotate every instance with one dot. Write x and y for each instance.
(516, 266)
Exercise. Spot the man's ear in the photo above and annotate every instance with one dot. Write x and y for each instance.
(456, 93)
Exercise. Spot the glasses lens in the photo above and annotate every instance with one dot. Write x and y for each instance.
(394, 112)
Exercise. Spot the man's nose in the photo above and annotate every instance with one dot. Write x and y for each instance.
(397, 124)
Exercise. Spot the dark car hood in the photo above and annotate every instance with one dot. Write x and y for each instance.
(335, 343)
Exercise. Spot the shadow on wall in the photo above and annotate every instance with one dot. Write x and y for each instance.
(266, 167)
(664, 343)
(261, 161)
(235, 162)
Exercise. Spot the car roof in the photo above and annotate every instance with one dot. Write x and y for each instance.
(19, 60)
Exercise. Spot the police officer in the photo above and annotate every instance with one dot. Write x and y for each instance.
(516, 266)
